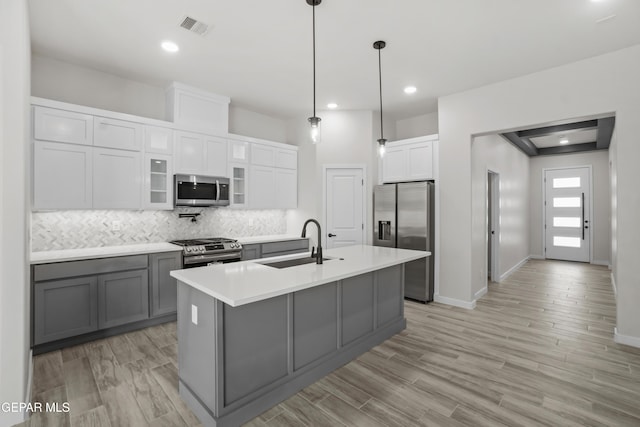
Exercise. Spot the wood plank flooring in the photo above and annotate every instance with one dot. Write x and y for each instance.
(537, 350)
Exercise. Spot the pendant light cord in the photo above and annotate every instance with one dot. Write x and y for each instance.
(380, 74)
(314, 58)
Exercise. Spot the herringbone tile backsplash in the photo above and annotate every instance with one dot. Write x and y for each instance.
(88, 229)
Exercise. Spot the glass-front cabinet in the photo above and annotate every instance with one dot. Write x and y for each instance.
(239, 185)
(158, 189)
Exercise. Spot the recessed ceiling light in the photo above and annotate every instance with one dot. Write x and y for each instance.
(169, 46)
(332, 105)
(410, 89)
(563, 140)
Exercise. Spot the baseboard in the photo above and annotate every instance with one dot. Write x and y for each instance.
(514, 268)
(469, 305)
(615, 289)
(600, 262)
(536, 257)
(625, 339)
(481, 293)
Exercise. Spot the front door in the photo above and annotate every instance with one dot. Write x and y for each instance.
(344, 207)
(567, 214)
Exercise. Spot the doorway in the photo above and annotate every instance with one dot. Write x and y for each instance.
(567, 213)
(344, 202)
(493, 226)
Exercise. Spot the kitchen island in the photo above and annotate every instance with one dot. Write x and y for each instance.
(250, 334)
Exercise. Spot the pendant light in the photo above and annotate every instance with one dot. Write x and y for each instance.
(314, 122)
(379, 45)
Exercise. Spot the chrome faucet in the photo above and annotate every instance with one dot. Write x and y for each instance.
(318, 255)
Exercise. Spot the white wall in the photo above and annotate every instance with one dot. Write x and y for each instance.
(493, 153)
(425, 124)
(603, 84)
(600, 218)
(63, 81)
(14, 276)
(347, 138)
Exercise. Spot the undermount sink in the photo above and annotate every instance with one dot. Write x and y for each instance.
(293, 262)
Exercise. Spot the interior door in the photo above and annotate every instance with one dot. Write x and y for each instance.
(344, 207)
(567, 214)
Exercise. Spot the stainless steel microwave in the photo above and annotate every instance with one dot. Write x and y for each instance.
(199, 190)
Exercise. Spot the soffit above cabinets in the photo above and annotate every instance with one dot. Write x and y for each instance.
(573, 137)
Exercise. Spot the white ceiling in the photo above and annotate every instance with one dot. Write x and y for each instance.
(259, 52)
(580, 136)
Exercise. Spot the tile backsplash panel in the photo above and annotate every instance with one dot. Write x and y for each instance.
(95, 228)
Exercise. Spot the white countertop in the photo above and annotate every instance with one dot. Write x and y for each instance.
(102, 252)
(271, 238)
(245, 282)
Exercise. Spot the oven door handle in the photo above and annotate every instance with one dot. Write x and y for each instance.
(198, 259)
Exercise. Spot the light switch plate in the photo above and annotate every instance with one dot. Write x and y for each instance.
(194, 314)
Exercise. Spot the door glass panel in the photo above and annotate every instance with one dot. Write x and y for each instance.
(573, 182)
(158, 166)
(567, 242)
(566, 202)
(559, 221)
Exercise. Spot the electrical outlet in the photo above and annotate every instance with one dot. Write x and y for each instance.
(115, 226)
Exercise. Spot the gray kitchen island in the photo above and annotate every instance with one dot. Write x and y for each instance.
(250, 335)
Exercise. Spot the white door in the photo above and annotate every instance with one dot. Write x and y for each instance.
(567, 214)
(344, 207)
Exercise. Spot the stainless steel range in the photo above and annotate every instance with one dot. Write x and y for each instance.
(216, 250)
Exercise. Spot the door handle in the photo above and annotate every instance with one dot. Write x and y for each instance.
(332, 235)
(217, 190)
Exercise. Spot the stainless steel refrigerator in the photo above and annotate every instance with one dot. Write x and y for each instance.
(404, 218)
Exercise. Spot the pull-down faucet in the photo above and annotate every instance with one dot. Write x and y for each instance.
(318, 254)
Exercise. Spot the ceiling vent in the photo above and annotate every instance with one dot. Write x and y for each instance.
(195, 26)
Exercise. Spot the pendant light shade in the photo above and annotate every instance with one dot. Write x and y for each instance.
(379, 45)
(314, 121)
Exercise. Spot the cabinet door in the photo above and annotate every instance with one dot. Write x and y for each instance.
(420, 161)
(117, 180)
(122, 298)
(263, 155)
(251, 251)
(394, 164)
(164, 294)
(216, 156)
(190, 153)
(50, 124)
(287, 159)
(158, 185)
(62, 176)
(239, 174)
(262, 186)
(120, 134)
(64, 308)
(238, 151)
(286, 189)
(158, 140)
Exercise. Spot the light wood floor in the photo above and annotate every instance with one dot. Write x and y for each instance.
(537, 350)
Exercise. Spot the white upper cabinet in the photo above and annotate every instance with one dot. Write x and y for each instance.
(117, 182)
(198, 109)
(158, 182)
(120, 134)
(262, 187)
(158, 140)
(409, 160)
(62, 126)
(287, 159)
(62, 176)
(238, 151)
(286, 189)
(200, 154)
(263, 155)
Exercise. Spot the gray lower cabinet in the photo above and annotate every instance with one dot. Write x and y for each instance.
(122, 298)
(163, 287)
(65, 308)
(271, 249)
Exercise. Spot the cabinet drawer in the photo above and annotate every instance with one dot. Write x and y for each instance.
(273, 248)
(87, 267)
